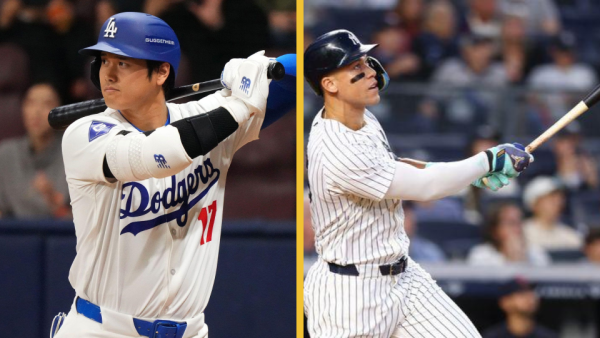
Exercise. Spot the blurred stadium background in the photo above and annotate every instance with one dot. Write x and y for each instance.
(40, 69)
(467, 74)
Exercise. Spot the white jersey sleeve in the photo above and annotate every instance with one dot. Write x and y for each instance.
(358, 167)
(84, 146)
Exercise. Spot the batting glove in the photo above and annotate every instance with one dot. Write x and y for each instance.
(229, 73)
(251, 84)
(493, 181)
(508, 159)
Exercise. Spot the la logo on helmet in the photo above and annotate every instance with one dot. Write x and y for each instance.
(111, 29)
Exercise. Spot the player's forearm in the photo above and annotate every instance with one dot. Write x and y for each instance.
(167, 150)
(440, 180)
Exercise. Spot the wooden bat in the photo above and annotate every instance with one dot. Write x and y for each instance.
(61, 117)
(584, 105)
(591, 99)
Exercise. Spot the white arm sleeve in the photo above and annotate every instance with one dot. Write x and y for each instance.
(437, 181)
(136, 157)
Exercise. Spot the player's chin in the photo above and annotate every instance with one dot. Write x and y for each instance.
(373, 99)
(112, 102)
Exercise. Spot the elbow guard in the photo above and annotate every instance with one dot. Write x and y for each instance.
(167, 150)
(136, 157)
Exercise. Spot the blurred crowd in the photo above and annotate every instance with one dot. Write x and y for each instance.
(470, 55)
(450, 62)
(468, 75)
(41, 69)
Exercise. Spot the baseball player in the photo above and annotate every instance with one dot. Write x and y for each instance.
(147, 180)
(364, 284)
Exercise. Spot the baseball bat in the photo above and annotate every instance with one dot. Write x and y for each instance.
(590, 100)
(61, 117)
(584, 105)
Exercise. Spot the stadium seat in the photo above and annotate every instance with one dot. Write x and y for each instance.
(455, 238)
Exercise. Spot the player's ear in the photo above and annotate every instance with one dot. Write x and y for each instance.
(163, 73)
(328, 84)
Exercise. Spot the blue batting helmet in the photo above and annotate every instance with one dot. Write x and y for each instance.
(138, 36)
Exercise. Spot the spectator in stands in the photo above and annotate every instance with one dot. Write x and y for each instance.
(557, 81)
(541, 16)
(395, 54)
(467, 87)
(421, 249)
(520, 303)
(209, 34)
(282, 21)
(576, 170)
(592, 246)
(505, 242)
(564, 73)
(545, 198)
(410, 16)
(33, 182)
(73, 34)
(518, 52)
(475, 68)
(438, 41)
(24, 24)
(482, 19)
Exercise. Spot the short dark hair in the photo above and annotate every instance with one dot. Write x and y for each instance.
(592, 236)
(492, 221)
(154, 66)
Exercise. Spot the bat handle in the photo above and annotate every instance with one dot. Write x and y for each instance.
(276, 71)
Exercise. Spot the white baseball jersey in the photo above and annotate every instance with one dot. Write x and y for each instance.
(147, 248)
(349, 173)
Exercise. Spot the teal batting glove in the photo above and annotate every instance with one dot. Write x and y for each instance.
(493, 181)
(508, 159)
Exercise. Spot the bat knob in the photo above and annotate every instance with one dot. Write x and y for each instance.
(276, 71)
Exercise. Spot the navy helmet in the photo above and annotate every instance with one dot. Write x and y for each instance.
(138, 36)
(334, 50)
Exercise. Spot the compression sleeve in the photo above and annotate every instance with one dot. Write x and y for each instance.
(437, 181)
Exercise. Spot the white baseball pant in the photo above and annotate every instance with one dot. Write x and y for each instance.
(410, 304)
(77, 325)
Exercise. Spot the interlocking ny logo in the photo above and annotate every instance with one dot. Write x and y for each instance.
(111, 29)
(162, 162)
(245, 85)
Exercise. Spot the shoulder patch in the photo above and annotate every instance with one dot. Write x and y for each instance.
(98, 129)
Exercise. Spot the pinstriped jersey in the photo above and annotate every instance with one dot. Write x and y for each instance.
(349, 173)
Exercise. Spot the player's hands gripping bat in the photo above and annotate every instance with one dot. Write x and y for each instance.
(508, 159)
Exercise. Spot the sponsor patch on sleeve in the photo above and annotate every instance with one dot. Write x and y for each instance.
(98, 129)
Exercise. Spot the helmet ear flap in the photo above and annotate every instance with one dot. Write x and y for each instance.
(95, 71)
(383, 79)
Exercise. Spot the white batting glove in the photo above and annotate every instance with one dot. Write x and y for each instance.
(229, 73)
(251, 84)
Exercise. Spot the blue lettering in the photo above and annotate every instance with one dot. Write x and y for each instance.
(177, 194)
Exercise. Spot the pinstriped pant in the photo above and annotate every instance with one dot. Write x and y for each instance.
(407, 305)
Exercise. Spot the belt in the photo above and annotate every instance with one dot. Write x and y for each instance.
(156, 329)
(385, 270)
